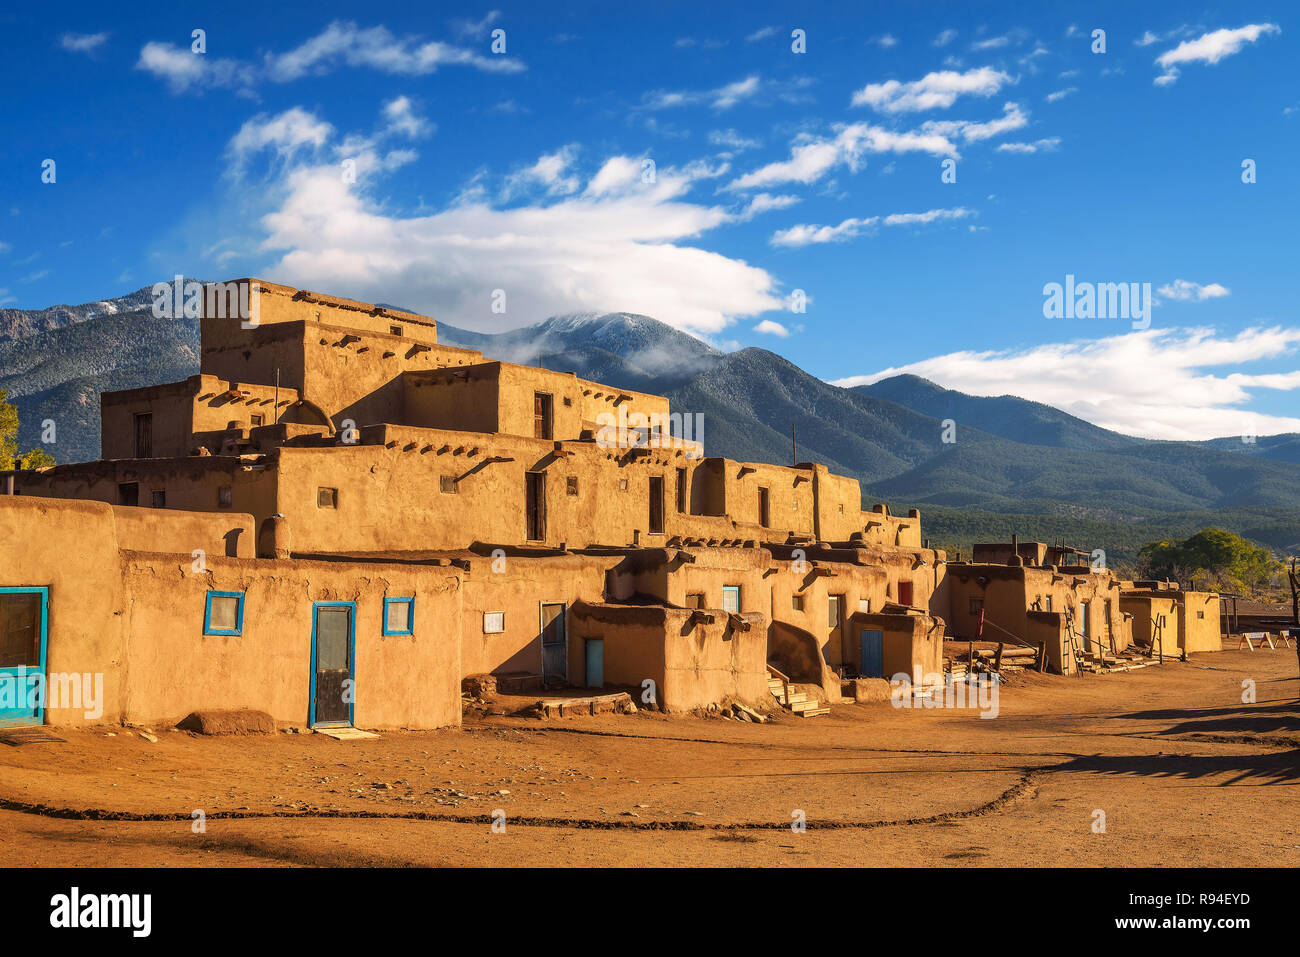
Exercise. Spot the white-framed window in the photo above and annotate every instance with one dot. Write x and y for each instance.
(494, 622)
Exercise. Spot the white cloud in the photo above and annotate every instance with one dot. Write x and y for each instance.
(1152, 383)
(616, 243)
(342, 43)
(1209, 48)
(770, 328)
(182, 69)
(765, 203)
(885, 41)
(937, 90)
(812, 157)
(992, 43)
(732, 140)
(807, 234)
(469, 29)
(287, 133)
(1012, 118)
(377, 48)
(761, 34)
(1061, 94)
(1046, 145)
(552, 172)
(401, 118)
(722, 98)
(82, 42)
(945, 37)
(1182, 290)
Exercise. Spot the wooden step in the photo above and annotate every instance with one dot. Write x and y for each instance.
(804, 705)
(814, 712)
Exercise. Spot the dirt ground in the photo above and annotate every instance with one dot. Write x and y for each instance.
(1184, 773)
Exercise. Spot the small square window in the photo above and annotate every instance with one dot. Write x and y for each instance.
(256, 420)
(571, 485)
(976, 604)
(224, 613)
(128, 493)
(448, 484)
(841, 508)
(399, 616)
(731, 598)
(395, 330)
(327, 498)
(1200, 614)
(796, 602)
(158, 498)
(864, 605)
(494, 622)
(695, 600)
(568, 401)
(225, 497)
(622, 485)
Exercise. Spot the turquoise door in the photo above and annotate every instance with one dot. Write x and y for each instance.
(873, 653)
(23, 632)
(595, 649)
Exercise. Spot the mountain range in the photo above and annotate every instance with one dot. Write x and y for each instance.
(1010, 456)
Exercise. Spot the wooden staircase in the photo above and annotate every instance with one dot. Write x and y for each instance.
(801, 703)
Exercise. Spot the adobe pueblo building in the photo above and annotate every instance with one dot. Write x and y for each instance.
(339, 519)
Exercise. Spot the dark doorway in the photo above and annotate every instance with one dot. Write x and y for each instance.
(656, 505)
(536, 506)
(128, 493)
(764, 508)
(543, 427)
(681, 491)
(905, 593)
(143, 435)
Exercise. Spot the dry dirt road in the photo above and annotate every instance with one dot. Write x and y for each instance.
(1183, 772)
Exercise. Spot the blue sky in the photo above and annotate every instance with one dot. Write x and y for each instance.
(392, 154)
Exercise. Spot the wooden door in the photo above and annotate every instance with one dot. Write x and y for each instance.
(594, 649)
(873, 653)
(332, 686)
(22, 654)
(555, 643)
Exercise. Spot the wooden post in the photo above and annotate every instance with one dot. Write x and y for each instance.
(1042, 656)
(997, 660)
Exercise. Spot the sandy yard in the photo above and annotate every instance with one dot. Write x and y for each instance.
(1183, 771)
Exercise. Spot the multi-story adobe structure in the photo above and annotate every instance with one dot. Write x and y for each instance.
(339, 518)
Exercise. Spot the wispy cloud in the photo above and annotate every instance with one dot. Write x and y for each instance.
(82, 42)
(1182, 290)
(1061, 94)
(945, 37)
(761, 34)
(1209, 48)
(938, 90)
(812, 157)
(341, 44)
(807, 234)
(1156, 383)
(1046, 145)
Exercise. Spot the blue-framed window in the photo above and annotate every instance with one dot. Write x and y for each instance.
(224, 613)
(399, 616)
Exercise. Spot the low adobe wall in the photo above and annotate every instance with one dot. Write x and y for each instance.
(173, 668)
(693, 662)
(217, 534)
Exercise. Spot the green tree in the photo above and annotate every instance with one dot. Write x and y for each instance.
(1211, 553)
(10, 457)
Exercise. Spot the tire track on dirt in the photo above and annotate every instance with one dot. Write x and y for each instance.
(1024, 790)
